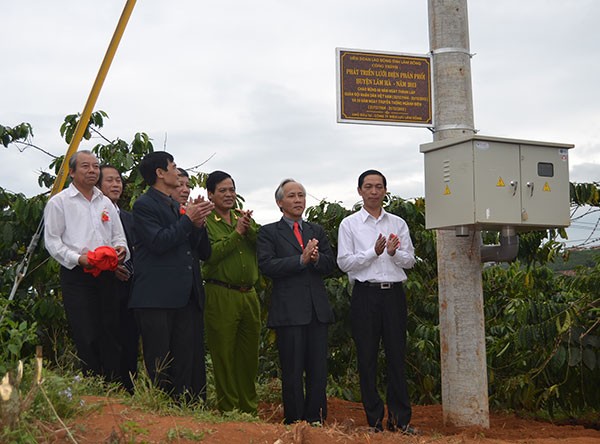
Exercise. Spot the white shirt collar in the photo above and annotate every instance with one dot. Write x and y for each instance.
(364, 215)
(73, 191)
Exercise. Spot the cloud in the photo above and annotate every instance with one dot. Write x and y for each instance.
(254, 83)
(585, 173)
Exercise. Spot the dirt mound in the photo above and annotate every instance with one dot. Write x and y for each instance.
(114, 422)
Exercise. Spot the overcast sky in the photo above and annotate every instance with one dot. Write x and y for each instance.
(254, 84)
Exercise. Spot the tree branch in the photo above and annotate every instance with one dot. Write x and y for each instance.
(31, 145)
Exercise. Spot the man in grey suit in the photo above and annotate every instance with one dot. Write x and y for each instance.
(168, 296)
(296, 255)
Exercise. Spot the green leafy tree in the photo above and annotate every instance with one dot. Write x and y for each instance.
(542, 328)
(38, 298)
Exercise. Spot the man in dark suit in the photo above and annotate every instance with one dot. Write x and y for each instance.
(110, 183)
(168, 296)
(296, 255)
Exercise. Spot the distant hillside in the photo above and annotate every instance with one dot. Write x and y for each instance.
(586, 257)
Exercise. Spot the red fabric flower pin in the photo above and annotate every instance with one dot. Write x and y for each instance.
(182, 210)
(105, 217)
(102, 259)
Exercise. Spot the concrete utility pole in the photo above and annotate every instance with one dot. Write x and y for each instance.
(462, 329)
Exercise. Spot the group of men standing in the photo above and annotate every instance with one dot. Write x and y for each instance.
(163, 296)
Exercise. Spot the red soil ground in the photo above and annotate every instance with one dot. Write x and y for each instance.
(114, 422)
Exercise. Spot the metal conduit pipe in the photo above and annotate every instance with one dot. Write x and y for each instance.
(506, 251)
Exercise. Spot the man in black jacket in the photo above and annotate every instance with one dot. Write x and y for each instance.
(168, 296)
(110, 183)
(296, 255)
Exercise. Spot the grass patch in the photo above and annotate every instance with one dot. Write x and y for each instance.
(176, 433)
(58, 397)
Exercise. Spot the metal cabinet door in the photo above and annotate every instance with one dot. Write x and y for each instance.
(497, 179)
(545, 186)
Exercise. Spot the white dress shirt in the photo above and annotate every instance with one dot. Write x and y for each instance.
(74, 225)
(356, 248)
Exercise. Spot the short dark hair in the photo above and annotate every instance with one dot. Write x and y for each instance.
(361, 178)
(106, 166)
(215, 178)
(183, 172)
(152, 161)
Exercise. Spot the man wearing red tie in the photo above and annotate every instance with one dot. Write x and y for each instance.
(296, 255)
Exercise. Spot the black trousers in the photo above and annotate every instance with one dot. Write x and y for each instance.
(92, 308)
(173, 348)
(129, 335)
(303, 358)
(377, 315)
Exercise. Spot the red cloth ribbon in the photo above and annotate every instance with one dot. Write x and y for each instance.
(102, 259)
(298, 234)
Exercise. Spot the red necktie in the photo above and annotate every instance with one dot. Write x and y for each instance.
(298, 234)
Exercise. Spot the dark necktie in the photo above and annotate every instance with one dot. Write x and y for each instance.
(298, 234)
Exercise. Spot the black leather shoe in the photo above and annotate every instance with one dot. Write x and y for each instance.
(376, 428)
(405, 429)
(408, 430)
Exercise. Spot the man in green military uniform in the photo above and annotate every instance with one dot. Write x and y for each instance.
(232, 311)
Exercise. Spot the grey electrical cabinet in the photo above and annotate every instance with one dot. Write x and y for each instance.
(492, 182)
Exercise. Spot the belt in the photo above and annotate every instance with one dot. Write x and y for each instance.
(239, 288)
(380, 285)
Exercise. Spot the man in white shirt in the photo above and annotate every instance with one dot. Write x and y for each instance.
(374, 248)
(77, 220)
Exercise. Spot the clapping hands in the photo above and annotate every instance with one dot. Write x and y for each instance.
(198, 210)
(243, 222)
(311, 252)
(391, 244)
